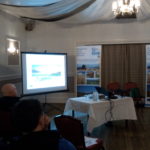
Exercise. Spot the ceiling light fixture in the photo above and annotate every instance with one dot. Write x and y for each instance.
(125, 8)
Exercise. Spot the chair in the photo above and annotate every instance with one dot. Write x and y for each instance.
(7, 131)
(83, 117)
(130, 85)
(72, 129)
(114, 87)
(5, 123)
(131, 89)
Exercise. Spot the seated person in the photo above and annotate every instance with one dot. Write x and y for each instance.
(9, 96)
(29, 118)
(7, 102)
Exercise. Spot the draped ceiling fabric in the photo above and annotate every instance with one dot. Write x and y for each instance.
(75, 12)
(51, 10)
(101, 11)
(28, 2)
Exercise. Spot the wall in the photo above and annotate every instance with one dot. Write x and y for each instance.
(10, 27)
(51, 37)
(55, 38)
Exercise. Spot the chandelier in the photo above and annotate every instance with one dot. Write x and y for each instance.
(125, 8)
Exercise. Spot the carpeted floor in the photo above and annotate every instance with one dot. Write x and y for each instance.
(117, 135)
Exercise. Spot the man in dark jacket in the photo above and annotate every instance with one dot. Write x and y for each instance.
(28, 117)
(9, 96)
(7, 101)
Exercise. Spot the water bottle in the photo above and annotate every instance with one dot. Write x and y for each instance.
(95, 96)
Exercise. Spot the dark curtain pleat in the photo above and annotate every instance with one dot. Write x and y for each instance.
(124, 63)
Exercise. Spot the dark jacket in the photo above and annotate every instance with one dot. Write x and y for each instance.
(42, 140)
(7, 102)
(6, 125)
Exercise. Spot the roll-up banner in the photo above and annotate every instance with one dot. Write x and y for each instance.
(88, 62)
(147, 100)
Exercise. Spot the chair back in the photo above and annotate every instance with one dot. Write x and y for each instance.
(5, 122)
(71, 129)
(113, 86)
(132, 90)
(130, 85)
(6, 125)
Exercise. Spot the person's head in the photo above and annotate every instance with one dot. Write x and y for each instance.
(9, 89)
(28, 116)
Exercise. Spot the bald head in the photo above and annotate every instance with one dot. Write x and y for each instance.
(9, 90)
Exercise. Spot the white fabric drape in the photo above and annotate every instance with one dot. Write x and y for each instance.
(99, 11)
(55, 10)
(28, 2)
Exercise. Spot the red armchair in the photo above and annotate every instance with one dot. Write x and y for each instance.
(132, 90)
(72, 130)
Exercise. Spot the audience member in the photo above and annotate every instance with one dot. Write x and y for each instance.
(28, 117)
(9, 96)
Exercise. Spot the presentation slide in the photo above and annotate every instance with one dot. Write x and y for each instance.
(44, 72)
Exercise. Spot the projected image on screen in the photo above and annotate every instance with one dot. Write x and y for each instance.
(43, 72)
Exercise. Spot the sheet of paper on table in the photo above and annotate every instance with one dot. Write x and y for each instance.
(89, 141)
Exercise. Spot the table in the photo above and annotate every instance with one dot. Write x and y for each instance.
(102, 111)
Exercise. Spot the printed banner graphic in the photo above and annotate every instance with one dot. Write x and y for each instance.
(148, 74)
(88, 68)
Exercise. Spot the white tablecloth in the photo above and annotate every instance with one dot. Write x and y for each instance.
(99, 111)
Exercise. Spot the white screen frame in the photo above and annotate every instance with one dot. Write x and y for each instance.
(30, 81)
